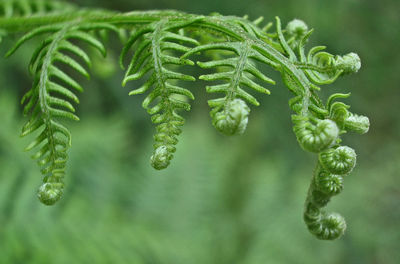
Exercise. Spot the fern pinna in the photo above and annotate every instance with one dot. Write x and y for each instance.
(230, 114)
(51, 96)
(153, 42)
(158, 46)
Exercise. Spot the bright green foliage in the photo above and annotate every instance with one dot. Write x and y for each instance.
(10, 8)
(233, 119)
(162, 43)
(235, 77)
(315, 135)
(338, 161)
(154, 41)
(318, 129)
(51, 98)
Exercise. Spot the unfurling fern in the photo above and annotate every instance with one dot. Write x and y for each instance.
(325, 226)
(339, 161)
(230, 114)
(51, 96)
(153, 42)
(318, 127)
(315, 135)
(161, 43)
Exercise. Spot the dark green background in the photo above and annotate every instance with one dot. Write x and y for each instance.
(222, 200)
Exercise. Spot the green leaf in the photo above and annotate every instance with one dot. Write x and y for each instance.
(156, 46)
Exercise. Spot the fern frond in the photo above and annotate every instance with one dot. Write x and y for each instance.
(162, 42)
(346, 120)
(241, 72)
(51, 98)
(12, 8)
(156, 47)
(318, 126)
(324, 185)
(319, 66)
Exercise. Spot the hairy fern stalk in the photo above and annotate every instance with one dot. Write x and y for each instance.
(157, 47)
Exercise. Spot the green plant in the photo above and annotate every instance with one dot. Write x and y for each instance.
(158, 46)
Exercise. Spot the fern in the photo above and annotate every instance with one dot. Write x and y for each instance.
(318, 128)
(12, 8)
(235, 78)
(153, 43)
(51, 96)
(158, 46)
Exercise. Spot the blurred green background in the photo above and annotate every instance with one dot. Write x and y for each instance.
(222, 200)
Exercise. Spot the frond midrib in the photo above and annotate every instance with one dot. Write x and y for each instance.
(238, 73)
(44, 78)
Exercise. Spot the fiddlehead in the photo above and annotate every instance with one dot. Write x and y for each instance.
(325, 226)
(318, 128)
(314, 134)
(153, 42)
(296, 30)
(230, 114)
(357, 123)
(338, 161)
(51, 96)
(233, 119)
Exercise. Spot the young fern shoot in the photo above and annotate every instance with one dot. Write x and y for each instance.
(159, 45)
(150, 56)
(51, 96)
(230, 114)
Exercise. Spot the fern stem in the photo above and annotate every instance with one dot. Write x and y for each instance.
(237, 75)
(219, 24)
(158, 69)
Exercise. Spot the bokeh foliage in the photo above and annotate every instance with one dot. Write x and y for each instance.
(223, 200)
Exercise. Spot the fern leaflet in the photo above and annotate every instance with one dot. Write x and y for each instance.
(153, 42)
(12, 8)
(51, 96)
(229, 114)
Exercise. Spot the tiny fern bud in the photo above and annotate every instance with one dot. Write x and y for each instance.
(330, 184)
(233, 119)
(338, 161)
(296, 31)
(357, 123)
(49, 193)
(324, 185)
(349, 63)
(315, 138)
(297, 28)
(332, 226)
(160, 158)
(325, 226)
